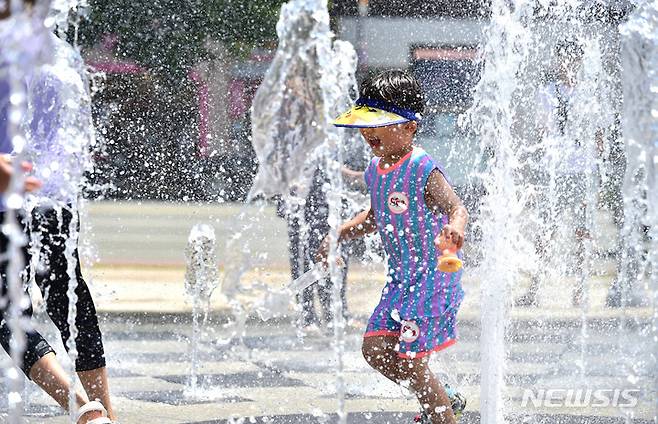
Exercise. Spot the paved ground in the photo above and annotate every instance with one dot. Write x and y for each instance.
(273, 375)
(155, 233)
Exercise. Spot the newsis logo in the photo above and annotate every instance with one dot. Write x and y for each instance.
(580, 398)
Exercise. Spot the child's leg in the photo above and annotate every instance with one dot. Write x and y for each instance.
(53, 280)
(430, 392)
(379, 352)
(299, 262)
(325, 293)
(581, 235)
(96, 385)
(48, 374)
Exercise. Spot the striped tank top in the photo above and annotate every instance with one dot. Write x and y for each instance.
(408, 229)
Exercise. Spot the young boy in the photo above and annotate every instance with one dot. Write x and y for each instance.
(414, 209)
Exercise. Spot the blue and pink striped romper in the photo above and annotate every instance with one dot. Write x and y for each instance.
(419, 304)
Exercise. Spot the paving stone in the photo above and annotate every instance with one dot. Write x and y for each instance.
(241, 379)
(273, 376)
(398, 418)
(179, 397)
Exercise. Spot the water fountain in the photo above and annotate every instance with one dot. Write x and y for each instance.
(526, 166)
(640, 128)
(24, 38)
(31, 47)
(201, 278)
(311, 79)
(307, 84)
(73, 151)
(493, 104)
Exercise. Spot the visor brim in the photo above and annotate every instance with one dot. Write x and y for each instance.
(368, 117)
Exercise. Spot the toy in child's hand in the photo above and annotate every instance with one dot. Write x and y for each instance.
(448, 261)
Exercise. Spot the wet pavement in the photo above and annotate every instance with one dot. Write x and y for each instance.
(467, 418)
(274, 375)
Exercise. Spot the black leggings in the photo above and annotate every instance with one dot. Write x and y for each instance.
(50, 228)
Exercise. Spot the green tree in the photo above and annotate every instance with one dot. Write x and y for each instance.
(168, 36)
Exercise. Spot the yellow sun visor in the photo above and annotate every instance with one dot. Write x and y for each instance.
(371, 113)
(362, 116)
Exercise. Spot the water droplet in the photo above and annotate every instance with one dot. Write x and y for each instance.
(15, 201)
(17, 98)
(14, 398)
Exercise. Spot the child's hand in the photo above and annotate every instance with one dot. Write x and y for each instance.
(451, 237)
(322, 255)
(31, 183)
(6, 171)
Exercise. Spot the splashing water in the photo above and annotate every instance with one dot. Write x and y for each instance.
(307, 83)
(25, 45)
(492, 116)
(640, 43)
(59, 146)
(201, 279)
(540, 172)
(640, 128)
(52, 128)
(201, 272)
(290, 115)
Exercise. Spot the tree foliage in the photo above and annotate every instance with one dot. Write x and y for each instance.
(169, 36)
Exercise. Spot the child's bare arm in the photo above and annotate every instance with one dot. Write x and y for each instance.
(440, 197)
(362, 224)
(353, 179)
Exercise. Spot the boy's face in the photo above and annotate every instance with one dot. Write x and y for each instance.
(390, 140)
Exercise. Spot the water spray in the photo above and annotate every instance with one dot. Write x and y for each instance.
(201, 278)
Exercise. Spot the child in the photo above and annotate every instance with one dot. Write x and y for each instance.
(414, 208)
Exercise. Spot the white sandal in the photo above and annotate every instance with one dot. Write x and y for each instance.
(92, 406)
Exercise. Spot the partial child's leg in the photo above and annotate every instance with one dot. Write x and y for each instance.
(428, 389)
(40, 364)
(379, 352)
(95, 383)
(581, 237)
(53, 280)
(530, 298)
(48, 374)
(326, 295)
(577, 293)
(298, 265)
(38, 361)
